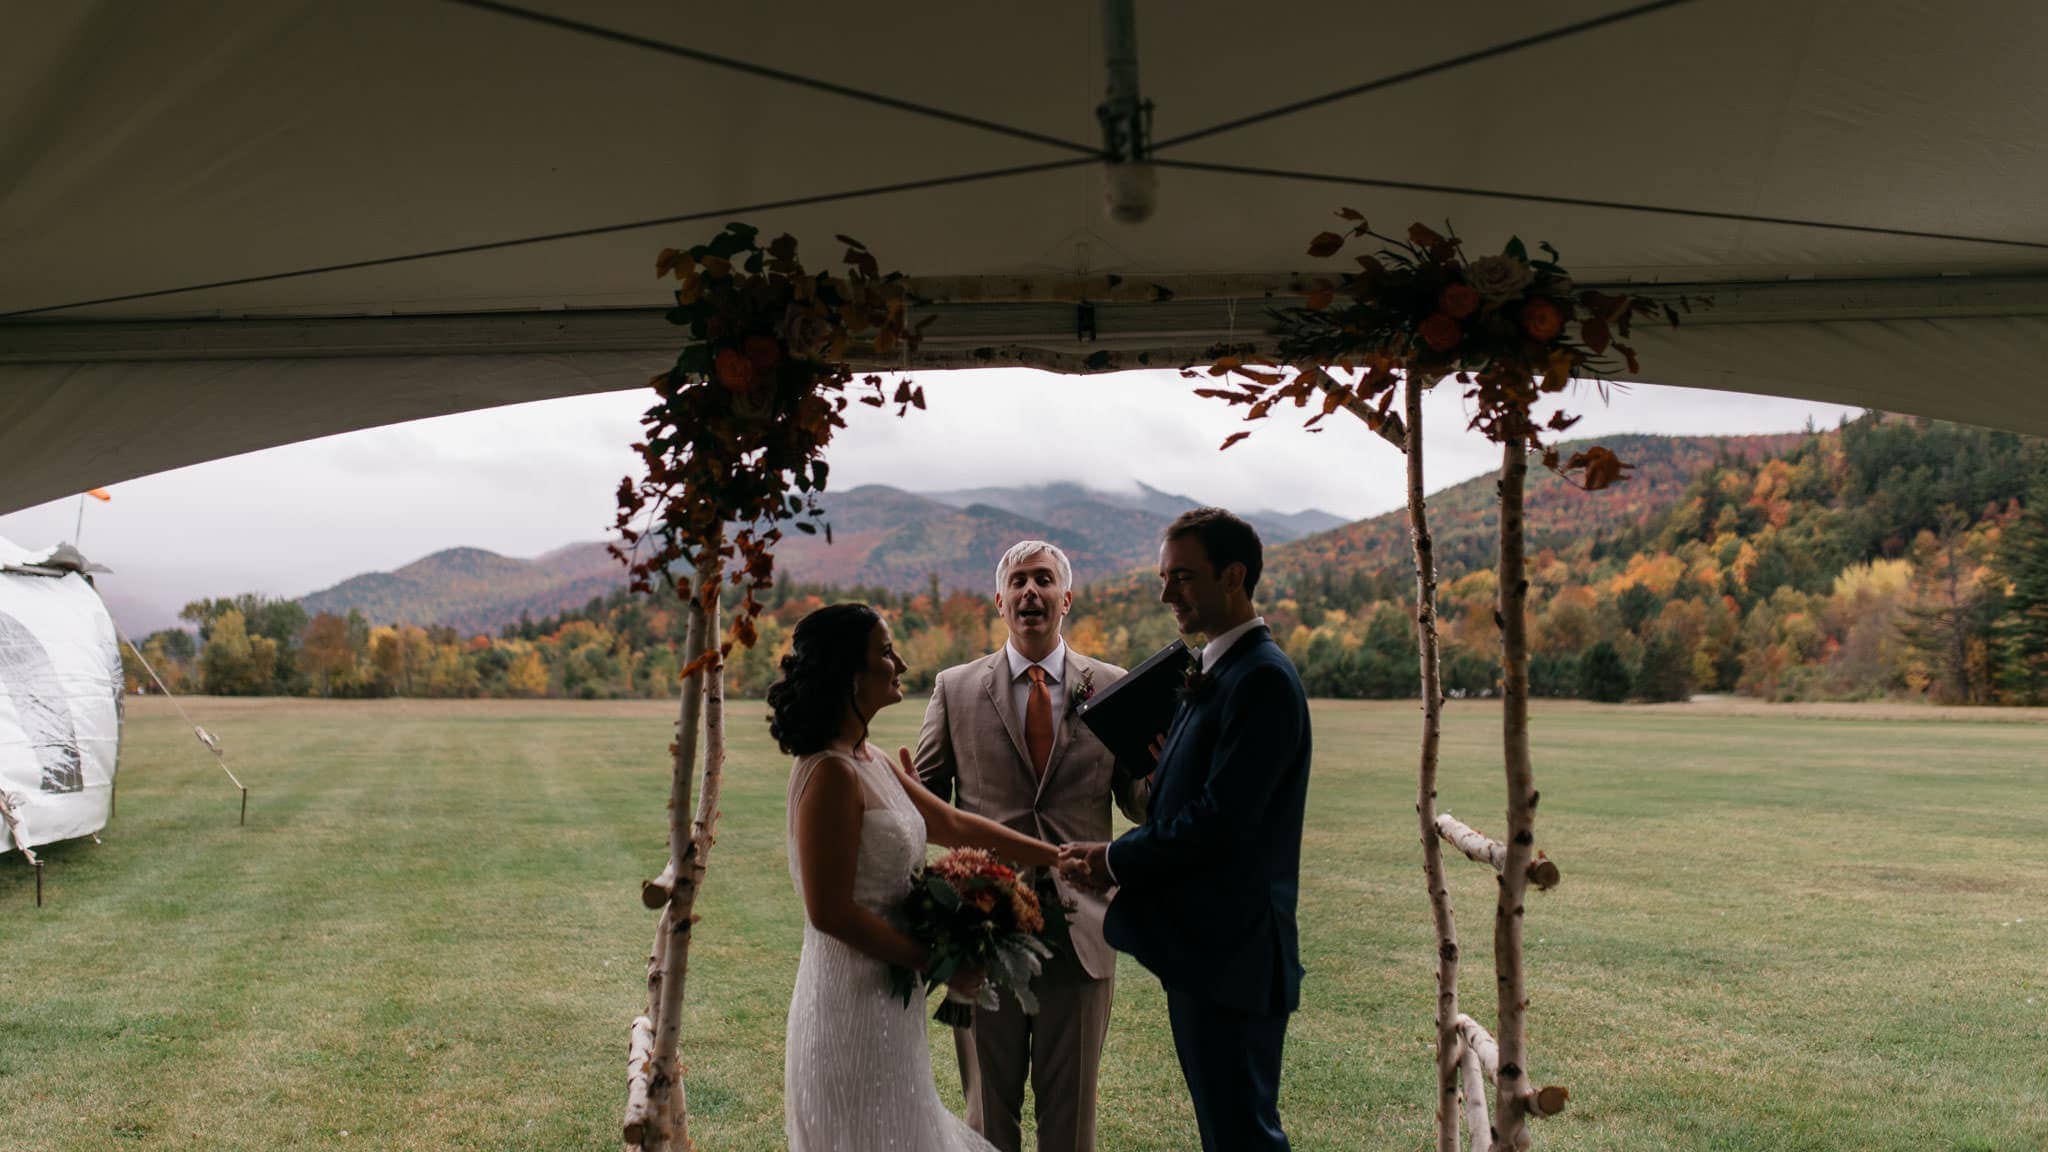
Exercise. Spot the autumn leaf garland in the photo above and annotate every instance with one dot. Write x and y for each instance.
(1509, 327)
(738, 432)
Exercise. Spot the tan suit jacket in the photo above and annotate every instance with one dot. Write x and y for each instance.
(971, 752)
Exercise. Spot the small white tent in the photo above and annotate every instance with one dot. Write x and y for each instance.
(60, 700)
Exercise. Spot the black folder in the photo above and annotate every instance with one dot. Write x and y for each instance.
(1126, 715)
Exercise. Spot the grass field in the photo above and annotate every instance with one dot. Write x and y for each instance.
(1775, 931)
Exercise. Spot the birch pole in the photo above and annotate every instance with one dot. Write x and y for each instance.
(1479, 1059)
(639, 1061)
(1511, 1081)
(1447, 1083)
(653, 1112)
(703, 833)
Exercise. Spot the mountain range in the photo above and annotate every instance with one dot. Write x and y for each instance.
(1464, 521)
(881, 537)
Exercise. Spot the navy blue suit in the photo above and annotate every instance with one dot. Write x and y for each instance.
(1207, 887)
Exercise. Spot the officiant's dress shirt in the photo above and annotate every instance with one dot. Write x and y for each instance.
(1055, 667)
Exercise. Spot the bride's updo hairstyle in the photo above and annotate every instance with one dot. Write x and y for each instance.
(807, 703)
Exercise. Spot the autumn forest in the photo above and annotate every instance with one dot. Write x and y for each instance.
(1888, 558)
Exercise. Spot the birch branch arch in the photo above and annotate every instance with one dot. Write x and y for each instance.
(738, 437)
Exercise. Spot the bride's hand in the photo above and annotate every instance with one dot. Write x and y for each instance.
(966, 983)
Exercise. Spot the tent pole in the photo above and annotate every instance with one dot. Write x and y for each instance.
(1131, 183)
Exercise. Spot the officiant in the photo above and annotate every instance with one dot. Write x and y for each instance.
(1001, 740)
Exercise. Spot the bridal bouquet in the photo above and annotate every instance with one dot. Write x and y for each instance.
(973, 911)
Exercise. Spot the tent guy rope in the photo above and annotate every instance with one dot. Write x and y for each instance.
(207, 738)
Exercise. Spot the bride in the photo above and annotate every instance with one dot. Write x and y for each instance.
(857, 1071)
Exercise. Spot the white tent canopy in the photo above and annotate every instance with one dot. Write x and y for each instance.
(1862, 186)
(60, 703)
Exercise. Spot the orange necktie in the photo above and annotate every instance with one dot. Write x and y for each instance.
(1038, 722)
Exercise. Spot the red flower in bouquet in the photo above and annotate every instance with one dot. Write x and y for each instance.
(972, 863)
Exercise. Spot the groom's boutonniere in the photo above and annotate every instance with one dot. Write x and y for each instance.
(1084, 687)
(1194, 682)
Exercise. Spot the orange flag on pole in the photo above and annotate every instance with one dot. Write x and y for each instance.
(99, 494)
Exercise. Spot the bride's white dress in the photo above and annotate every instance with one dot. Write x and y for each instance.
(857, 1069)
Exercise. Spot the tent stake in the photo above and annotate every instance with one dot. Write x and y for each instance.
(244, 821)
(39, 883)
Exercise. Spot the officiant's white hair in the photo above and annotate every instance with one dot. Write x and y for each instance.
(1024, 550)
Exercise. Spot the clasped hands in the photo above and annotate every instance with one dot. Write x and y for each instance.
(1086, 865)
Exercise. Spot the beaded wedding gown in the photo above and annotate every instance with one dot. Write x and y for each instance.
(857, 1068)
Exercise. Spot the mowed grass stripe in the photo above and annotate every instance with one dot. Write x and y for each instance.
(1775, 932)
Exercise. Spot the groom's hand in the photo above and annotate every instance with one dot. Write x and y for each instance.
(1086, 865)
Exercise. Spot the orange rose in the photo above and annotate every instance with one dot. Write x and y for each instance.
(1440, 332)
(1458, 300)
(735, 372)
(1542, 320)
(1025, 911)
(762, 352)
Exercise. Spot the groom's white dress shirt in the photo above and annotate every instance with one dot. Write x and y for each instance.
(1214, 649)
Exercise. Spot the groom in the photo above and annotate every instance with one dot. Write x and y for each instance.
(1000, 739)
(1207, 885)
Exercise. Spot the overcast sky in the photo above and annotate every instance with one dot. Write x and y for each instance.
(524, 479)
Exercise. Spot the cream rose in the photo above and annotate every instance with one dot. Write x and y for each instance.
(1500, 278)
